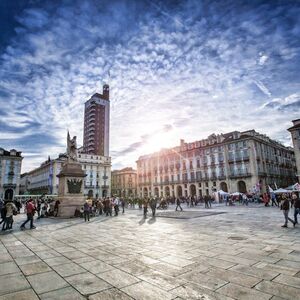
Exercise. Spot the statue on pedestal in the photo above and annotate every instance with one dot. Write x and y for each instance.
(71, 148)
(71, 178)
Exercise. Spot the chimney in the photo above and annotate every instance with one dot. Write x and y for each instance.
(106, 91)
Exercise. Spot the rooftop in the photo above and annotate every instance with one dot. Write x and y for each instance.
(217, 139)
(11, 152)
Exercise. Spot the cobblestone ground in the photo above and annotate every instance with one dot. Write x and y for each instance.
(240, 254)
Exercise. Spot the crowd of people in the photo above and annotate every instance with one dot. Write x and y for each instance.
(42, 207)
(111, 206)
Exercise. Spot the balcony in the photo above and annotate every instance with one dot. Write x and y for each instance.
(262, 173)
(104, 186)
(89, 186)
(238, 158)
(239, 175)
(221, 177)
(147, 183)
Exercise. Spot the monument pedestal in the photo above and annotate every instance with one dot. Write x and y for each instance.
(70, 189)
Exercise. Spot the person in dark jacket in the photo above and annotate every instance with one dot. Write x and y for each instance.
(178, 202)
(285, 207)
(297, 209)
(153, 204)
(86, 211)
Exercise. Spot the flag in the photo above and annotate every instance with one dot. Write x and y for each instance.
(270, 189)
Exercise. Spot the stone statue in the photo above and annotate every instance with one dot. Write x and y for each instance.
(71, 148)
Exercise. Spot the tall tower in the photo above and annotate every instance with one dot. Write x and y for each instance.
(96, 124)
(295, 132)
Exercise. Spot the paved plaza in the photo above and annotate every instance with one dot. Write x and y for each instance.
(238, 253)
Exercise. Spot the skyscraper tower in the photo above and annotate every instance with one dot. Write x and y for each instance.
(96, 124)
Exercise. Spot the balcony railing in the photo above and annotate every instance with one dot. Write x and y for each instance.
(146, 183)
(240, 175)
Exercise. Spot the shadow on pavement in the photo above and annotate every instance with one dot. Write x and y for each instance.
(152, 220)
(142, 221)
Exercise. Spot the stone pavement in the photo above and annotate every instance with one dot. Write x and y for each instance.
(240, 254)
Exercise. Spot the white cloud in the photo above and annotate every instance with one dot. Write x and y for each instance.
(167, 66)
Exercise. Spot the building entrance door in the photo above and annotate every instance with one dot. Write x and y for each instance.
(9, 193)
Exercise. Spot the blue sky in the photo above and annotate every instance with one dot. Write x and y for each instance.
(178, 69)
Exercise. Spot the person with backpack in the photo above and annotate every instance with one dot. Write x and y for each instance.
(30, 210)
(11, 210)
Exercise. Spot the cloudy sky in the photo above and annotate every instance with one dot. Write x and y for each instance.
(176, 69)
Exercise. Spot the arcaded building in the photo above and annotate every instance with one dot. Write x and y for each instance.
(237, 161)
(295, 132)
(124, 182)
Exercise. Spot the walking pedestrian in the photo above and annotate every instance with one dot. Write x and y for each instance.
(56, 208)
(99, 207)
(30, 211)
(86, 211)
(285, 207)
(10, 210)
(266, 199)
(273, 199)
(123, 205)
(178, 202)
(2, 211)
(116, 206)
(245, 200)
(153, 204)
(296, 209)
(145, 206)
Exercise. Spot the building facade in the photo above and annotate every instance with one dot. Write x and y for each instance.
(98, 174)
(96, 124)
(295, 132)
(10, 170)
(124, 182)
(44, 180)
(237, 161)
